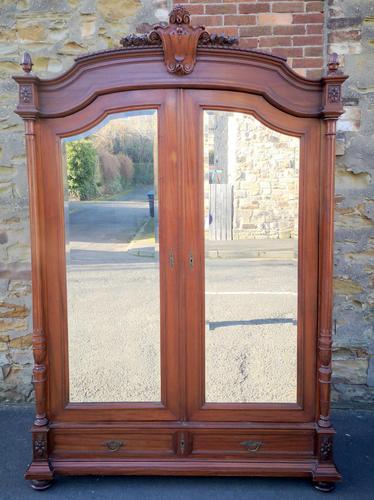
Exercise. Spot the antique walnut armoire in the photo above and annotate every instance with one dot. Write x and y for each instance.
(181, 203)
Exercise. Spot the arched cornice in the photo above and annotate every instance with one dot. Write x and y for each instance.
(177, 56)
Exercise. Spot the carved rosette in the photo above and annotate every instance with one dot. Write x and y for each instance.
(325, 451)
(40, 448)
(40, 445)
(179, 41)
(25, 94)
(333, 93)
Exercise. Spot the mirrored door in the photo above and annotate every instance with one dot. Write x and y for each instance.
(115, 297)
(112, 260)
(251, 208)
(255, 298)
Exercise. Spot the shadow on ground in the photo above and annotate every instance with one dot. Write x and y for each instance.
(354, 456)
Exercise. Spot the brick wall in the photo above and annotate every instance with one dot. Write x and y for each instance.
(287, 28)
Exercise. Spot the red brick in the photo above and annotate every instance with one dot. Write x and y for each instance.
(221, 8)
(255, 31)
(308, 62)
(196, 8)
(293, 29)
(207, 20)
(307, 18)
(275, 41)
(248, 43)
(308, 40)
(240, 20)
(227, 30)
(288, 7)
(199, 1)
(274, 19)
(288, 51)
(314, 29)
(250, 8)
(314, 6)
(299, 71)
(313, 51)
(314, 74)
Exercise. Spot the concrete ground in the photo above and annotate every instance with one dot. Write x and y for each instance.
(354, 456)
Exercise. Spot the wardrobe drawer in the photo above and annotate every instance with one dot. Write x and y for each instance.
(113, 444)
(252, 444)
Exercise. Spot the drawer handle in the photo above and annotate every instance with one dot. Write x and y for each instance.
(252, 446)
(114, 445)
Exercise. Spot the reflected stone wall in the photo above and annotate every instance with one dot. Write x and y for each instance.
(266, 182)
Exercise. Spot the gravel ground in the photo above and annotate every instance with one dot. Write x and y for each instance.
(114, 347)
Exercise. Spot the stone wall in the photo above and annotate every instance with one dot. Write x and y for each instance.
(350, 33)
(55, 31)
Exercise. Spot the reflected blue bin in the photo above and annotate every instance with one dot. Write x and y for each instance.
(151, 202)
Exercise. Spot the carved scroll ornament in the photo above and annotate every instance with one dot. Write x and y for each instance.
(179, 41)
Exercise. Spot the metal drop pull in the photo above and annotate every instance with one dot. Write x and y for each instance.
(191, 260)
(252, 446)
(114, 445)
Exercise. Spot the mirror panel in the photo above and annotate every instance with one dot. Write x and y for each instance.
(251, 185)
(112, 260)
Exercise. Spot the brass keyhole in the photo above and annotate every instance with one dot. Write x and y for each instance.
(191, 261)
(171, 258)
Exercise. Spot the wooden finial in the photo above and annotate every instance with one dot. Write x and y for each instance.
(26, 62)
(333, 63)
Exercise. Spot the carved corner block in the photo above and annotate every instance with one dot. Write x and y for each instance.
(325, 473)
(40, 471)
(28, 90)
(332, 106)
(325, 445)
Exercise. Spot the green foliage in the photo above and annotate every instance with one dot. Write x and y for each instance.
(82, 160)
(139, 148)
(143, 173)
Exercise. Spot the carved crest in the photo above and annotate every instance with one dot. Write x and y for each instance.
(179, 41)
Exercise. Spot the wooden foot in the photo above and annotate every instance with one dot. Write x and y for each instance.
(324, 486)
(40, 484)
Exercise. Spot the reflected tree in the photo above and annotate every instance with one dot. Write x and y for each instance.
(82, 160)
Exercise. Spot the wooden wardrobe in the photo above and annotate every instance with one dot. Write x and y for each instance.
(181, 205)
